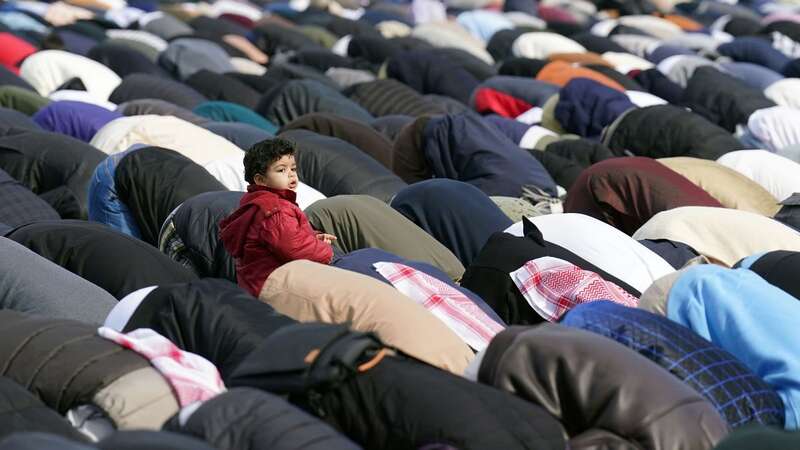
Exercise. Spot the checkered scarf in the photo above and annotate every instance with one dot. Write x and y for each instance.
(192, 377)
(455, 309)
(553, 286)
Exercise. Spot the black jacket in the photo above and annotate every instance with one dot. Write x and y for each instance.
(335, 167)
(213, 318)
(488, 277)
(272, 38)
(151, 440)
(114, 261)
(359, 134)
(243, 135)
(583, 151)
(563, 170)
(723, 99)
(153, 181)
(281, 72)
(499, 45)
(21, 411)
(250, 419)
(521, 67)
(565, 159)
(11, 118)
(124, 60)
(389, 97)
(779, 268)
(121, 440)
(628, 83)
(394, 402)
(190, 235)
(158, 107)
(374, 49)
(56, 167)
(322, 60)
(763, 438)
(217, 86)
(298, 97)
(431, 73)
(659, 85)
(680, 133)
(18, 205)
(466, 60)
(140, 85)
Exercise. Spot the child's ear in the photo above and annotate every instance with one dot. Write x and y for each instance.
(259, 179)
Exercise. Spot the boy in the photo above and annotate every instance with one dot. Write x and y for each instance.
(269, 229)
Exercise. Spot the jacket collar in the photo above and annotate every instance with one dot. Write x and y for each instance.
(286, 194)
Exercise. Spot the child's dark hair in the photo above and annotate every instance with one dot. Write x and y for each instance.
(259, 157)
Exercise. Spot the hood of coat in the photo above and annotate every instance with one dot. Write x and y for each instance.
(233, 229)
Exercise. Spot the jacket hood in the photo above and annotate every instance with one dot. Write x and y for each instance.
(233, 229)
(585, 107)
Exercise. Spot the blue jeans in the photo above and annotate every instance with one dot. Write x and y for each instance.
(104, 205)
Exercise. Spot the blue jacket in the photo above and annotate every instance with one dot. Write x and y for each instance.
(457, 214)
(77, 119)
(513, 129)
(465, 147)
(754, 50)
(755, 321)
(753, 75)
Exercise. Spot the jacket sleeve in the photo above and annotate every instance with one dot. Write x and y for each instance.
(290, 241)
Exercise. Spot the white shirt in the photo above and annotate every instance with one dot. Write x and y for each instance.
(307, 195)
(602, 245)
(541, 44)
(785, 92)
(46, 70)
(644, 99)
(81, 96)
(123, 311)
(534, 135)
(775, 173)
(777, 127)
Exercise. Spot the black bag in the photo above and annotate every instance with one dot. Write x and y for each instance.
(306, 360)
(789, 214)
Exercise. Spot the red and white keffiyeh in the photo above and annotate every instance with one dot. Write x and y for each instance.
(455, 309)
(553, 286)
(192, 377)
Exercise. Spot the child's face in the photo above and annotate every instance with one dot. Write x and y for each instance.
(282, 174)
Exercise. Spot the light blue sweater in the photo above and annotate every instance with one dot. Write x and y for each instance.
(754, 320)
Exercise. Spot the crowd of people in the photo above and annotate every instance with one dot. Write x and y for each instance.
(399, 224)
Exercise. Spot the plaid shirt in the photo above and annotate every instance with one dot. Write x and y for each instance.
(553, 286)
(455, 309)
(192, 377)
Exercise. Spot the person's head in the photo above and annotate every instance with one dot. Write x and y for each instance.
(271, 163)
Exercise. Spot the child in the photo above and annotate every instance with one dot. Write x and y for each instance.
(269, 229)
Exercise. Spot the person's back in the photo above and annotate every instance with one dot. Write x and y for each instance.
(269, 229)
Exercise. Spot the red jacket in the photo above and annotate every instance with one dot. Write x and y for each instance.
(267, 231)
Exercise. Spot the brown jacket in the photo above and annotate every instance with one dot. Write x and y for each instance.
(66, 364)
(606, 395)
